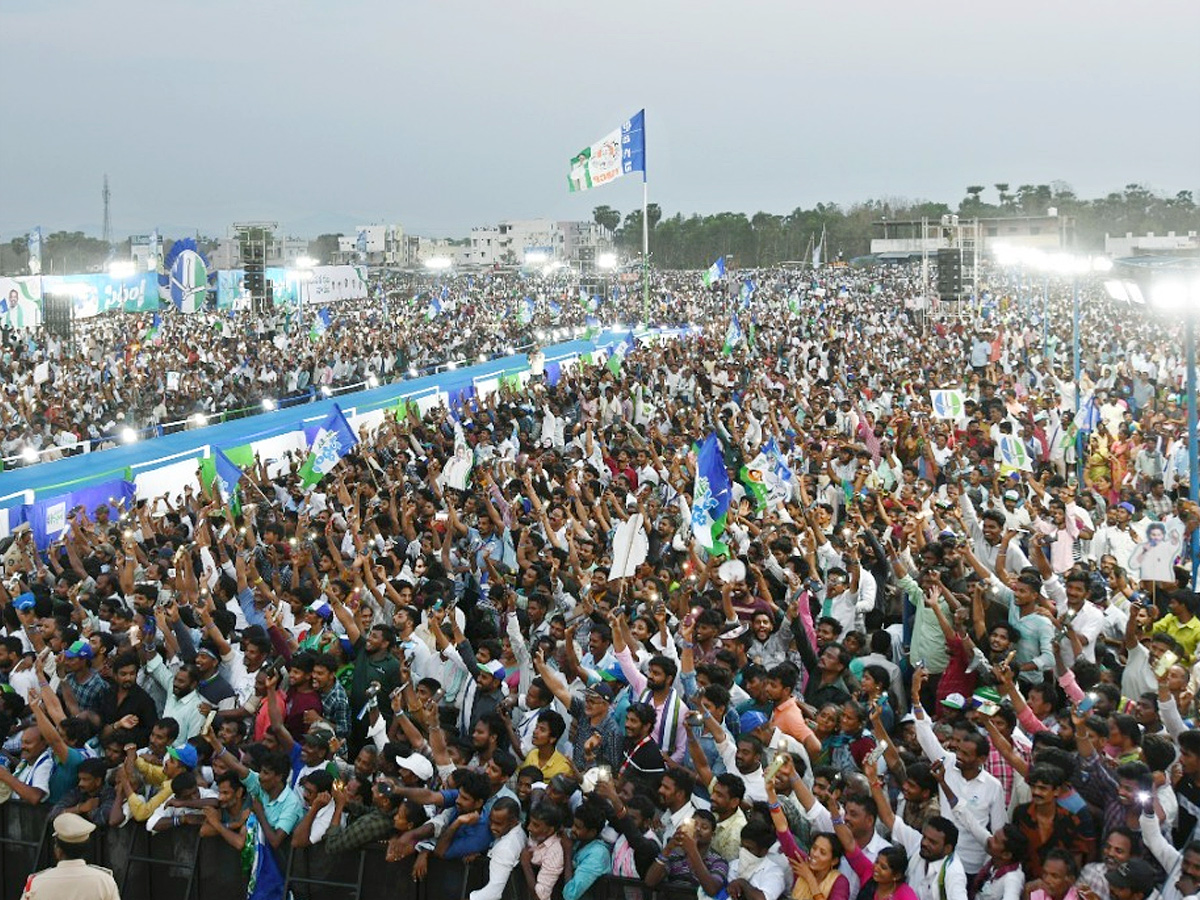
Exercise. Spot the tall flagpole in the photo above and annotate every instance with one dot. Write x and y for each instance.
(645, 250)
(645, 231)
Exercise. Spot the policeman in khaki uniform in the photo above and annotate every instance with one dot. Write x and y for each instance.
(72, 878)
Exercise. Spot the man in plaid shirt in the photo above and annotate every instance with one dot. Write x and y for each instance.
(81, 682)
(335, 703)
(1158, 504)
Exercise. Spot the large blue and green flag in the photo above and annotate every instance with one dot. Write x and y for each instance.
(710, 497)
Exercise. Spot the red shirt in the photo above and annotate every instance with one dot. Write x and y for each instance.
(956, 679)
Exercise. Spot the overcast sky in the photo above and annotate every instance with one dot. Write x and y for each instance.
(444, 115)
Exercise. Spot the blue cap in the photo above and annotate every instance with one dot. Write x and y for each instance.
(185, 755)
(25, 601)
(80, 650)
(751, 720)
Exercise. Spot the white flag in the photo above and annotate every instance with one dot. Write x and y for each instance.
(630, 546)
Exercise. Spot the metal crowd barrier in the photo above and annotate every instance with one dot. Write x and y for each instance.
(180, 865)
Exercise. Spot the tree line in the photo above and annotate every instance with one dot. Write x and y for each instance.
(762, 239)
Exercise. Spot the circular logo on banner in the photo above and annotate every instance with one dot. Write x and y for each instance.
(189, 282)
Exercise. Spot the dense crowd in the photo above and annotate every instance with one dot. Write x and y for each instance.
(922, 670)
(169, 371)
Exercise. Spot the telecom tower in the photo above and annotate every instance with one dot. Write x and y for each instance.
(107, 219)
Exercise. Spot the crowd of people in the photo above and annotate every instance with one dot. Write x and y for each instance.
(169, 371)
(925, 668)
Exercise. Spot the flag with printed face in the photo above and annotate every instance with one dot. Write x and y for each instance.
(710, 497)
(714, 273)
(767, 478)
(746, 292)
(525, 311)
(458, 467)
(947, 404)
(266, 880)
(1013, 453)
(618, 153)
(334, 440)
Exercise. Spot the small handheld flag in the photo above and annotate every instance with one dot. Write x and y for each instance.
(714, 273)
(320, 325)
(334, 440)
(733, 336)
(226, 479)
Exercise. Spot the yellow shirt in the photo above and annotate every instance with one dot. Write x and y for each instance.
(1187, 633)
(556, 765)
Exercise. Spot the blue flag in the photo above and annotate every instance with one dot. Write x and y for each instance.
(434, 310)
(555, 309)
(710, 497)
(333, 440)
(525, 313)
(733, 336)
(1088, 416)
(320, 325)
(747, 292)
(266, 881)
(226, 480)
(714, 273)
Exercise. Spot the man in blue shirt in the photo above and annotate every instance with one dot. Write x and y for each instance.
(462, 831)
(591, 859)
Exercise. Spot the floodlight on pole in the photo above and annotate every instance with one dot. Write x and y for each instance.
(122, 268)
(305, 262)
(438, 263)
(606, 261)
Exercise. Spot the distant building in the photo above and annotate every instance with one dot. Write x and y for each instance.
(519, 241)
(375, 245)
(419, 250)
(1150, 244)
(903, 239)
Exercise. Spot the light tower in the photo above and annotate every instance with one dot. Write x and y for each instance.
(107, 219)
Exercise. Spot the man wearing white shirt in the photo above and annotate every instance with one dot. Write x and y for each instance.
(1087, 621)
(508, 840)
(935, 871)
(755, 869)
(979, 792)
